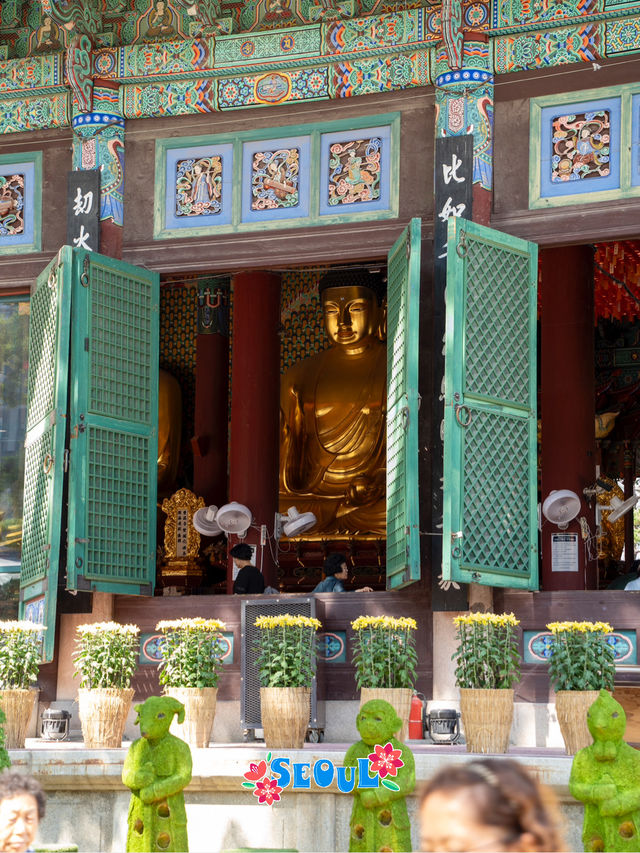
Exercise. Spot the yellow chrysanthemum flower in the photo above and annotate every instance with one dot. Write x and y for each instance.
(579, 627)
(500, 620)
(19, 626)
(286, 620)
(196, 623)
(107, 628)
(385, 623)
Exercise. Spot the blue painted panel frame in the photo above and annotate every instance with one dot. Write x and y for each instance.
(303, 144)
(223, 217)
(29, 165)
(635, 140)
(150, 645)
(379, 204)
(538, 645)
(551, 189)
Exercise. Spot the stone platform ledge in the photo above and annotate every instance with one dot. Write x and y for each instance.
(220, 767)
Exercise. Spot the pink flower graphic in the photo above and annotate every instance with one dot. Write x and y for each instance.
(256, 771)
(385, 760)
(267, 791)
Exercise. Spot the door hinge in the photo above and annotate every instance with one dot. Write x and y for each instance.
(66, 460)
(86, 344)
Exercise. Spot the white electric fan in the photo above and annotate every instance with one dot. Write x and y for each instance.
(234, 518)
(560, 507)
(619, 508)
(293, 523)
(204, 521)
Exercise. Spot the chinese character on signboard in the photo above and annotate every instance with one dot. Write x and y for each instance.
(453, 187)
(83, 209)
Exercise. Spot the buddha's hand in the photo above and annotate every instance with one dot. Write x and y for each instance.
(363, 491)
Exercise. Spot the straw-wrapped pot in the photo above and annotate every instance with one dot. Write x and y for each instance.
(487, 716)
(571, 708)
(18, 706)
(199, 711)
(398, 697)
(103, 714)
(285, 715)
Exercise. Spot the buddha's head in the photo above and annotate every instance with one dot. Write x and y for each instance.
(351, 307)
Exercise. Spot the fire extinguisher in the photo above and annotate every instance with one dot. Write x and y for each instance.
(416, 717)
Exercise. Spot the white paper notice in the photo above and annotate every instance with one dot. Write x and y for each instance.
(564, 552)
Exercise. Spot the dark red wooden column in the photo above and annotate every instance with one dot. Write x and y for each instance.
(567, 403)
(255, 405)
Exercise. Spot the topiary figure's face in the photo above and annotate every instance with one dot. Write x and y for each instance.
(377, 722)
(606, 718)
(155, 716)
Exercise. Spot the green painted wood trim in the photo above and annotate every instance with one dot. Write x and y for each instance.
(536, 105)
(315, 132)
(403, 511)
(34, 157)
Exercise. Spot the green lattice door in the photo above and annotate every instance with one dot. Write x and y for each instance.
(114, 427)
(92, 424)
(403, 302)
(45, 445)
(490, 452)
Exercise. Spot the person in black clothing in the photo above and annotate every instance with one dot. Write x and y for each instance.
(249, 580)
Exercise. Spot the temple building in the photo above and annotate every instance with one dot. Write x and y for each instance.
(334, 276)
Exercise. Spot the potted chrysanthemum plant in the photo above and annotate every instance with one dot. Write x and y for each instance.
(385, 659)
(487, 667)
(581, 664)
(192, 651)
(20, 656)
(286, 661)
(106, 658)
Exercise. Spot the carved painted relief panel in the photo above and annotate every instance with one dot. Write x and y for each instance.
(283, 177)
(355, 170)
(198, 186)
(20, 216)
(275, 179)
(579, 147)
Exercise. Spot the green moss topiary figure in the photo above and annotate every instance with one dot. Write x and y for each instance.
(5, 761)
(606, 778)
(157, 769)
(379, 817)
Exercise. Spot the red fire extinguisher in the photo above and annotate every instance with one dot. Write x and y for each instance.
(416, 717)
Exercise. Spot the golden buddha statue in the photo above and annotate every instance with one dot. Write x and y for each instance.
(333, 413)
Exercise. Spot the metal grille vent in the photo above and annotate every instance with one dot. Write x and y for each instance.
(121, 338)
(497, 353)
(117, 511)
(43, 326)
(250, 698)
(35, 536)
(496, 493)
